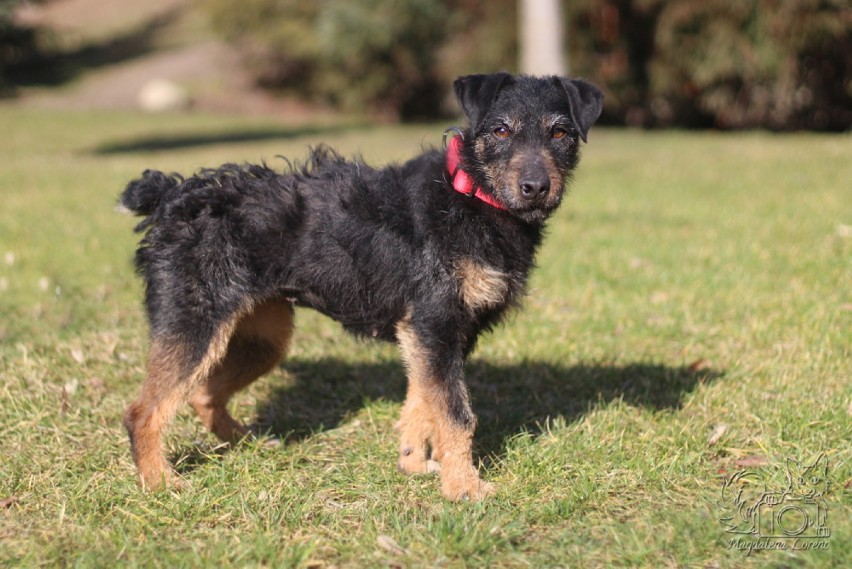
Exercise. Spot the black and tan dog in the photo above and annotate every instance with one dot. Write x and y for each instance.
(427, 254)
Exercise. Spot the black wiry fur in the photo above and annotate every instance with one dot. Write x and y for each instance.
(369, 247)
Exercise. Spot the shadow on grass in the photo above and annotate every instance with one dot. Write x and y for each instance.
(190, 140)
(507, 399)
(54, 67)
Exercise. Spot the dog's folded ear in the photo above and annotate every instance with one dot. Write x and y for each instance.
(586, 103)
(475, 94)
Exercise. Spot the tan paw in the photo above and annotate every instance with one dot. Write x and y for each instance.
(167, 479)
(467, 487)
(412, 461)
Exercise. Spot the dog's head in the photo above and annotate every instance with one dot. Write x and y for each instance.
(524, 134)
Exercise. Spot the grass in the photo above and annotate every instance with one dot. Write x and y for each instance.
(693, 284)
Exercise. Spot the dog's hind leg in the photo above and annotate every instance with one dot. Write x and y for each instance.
(173, 374)
(259, 342)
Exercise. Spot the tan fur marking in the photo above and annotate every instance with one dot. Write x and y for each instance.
(453, 449)
(425, 419)
(259, 342)
(216, 350)
(557, 181)
(557, 178)
(416, 423)
(272, 321)
(152, 411)
(164, 390)
(481, 286)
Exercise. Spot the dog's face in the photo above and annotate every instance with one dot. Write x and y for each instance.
(524, 136)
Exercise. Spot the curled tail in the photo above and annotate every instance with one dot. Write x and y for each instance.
(143, 196)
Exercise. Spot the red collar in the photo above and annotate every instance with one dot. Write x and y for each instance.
(462, 182)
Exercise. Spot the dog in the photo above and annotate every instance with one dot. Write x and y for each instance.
(427, 254)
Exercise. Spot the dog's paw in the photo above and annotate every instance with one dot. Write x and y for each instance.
(177, 484)
(467, 487)
(165, 480)
(412, 462)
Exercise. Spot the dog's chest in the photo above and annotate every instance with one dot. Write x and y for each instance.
(482, 287)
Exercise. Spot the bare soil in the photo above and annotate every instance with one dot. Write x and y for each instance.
(117, 46)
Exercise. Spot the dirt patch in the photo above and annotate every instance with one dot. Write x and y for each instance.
(118, 46)
(93, 20)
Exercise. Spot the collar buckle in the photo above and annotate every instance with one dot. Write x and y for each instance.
(456, 130)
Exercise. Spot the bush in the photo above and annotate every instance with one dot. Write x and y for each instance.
(760, 63)
(780, 64)
(754, 63)
(277, 38)
(382, 51)
(378, 54)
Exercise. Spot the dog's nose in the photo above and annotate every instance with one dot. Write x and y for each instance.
(533, 186)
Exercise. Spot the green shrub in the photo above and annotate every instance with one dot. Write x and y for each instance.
(277, 38)
(758, 63)
(378, 54)
(780, 64)
(381, 51)
(752, 63)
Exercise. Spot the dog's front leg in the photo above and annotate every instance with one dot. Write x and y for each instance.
(437, 412)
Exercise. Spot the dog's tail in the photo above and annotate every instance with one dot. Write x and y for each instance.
(143, 196)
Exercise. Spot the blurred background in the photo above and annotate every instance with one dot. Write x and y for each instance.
(773, 64)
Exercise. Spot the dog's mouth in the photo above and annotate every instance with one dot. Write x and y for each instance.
(531, 184)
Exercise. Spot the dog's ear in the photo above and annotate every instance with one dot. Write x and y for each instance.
(586, 102)
(475, 94)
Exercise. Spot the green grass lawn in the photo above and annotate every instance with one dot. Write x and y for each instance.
(691, 317)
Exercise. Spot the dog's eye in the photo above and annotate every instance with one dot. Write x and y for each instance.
(558, 133)
(502, 132)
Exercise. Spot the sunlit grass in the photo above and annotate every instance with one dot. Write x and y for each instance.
(691, 280)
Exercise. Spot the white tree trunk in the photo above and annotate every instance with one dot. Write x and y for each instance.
(542, 47)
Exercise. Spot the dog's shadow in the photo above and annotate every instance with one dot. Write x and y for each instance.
(507, 399)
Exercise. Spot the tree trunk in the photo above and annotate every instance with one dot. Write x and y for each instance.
(542, 40)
